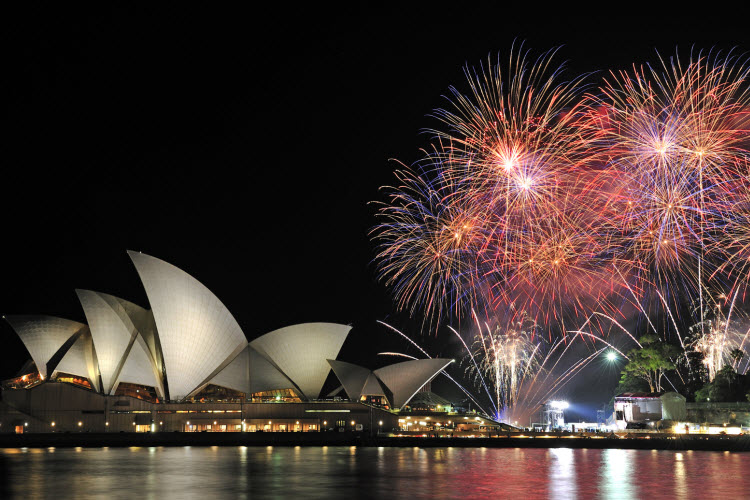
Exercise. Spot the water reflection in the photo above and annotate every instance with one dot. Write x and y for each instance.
(562, 477)
(359, 472)
(616, 480)
(679, 476)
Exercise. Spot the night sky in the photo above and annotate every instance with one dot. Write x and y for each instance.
(243, 146)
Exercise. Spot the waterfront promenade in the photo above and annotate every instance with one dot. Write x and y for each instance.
(656, 441)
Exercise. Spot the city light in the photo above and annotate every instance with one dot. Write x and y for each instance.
(559, 405)
(611, 356)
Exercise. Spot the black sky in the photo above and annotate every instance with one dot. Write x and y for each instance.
(243, 146)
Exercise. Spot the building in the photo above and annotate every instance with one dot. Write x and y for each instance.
(186, 365)
(635, 410)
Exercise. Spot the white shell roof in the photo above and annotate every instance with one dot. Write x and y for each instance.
(80, 360)
(43, 336)
(139, 368)
(264, 376)
(352, 377)
(112, 330)
(301, 352)
(372, 386)
(405, 379)
(236, 375)
(197, 333)
(250, 372)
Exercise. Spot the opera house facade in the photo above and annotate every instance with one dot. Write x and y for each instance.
(184, 364)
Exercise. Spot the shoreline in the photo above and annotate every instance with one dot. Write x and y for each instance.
(93, 440)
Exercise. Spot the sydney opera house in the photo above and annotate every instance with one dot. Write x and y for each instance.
(184, 364)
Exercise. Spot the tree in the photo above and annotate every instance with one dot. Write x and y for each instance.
(693, 372)
(736, 355)
(650, 362)
(728, 385)
(721, 388)
(628, 383)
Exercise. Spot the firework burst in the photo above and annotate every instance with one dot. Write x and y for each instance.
(547, 210)
(520, 370)
(718, 339)
(427, 246)
(504, 213)
(677, 139)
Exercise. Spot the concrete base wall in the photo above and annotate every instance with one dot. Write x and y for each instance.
(719, 413)
(59, 407)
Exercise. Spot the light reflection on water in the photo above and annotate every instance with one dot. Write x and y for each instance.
(356, 472)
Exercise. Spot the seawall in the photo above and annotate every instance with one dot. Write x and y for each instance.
(657, 442)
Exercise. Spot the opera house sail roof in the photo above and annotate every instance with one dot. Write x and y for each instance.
(198, 334)
(406, 378)
(189, 340)
(357, 380)
(301, 352)
(402, 380)
(121, 350)
(47, 338)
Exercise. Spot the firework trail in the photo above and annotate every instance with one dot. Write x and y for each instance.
(525, 370)
(717, 338)
(505, 212)
(551, 208)
(538, 199)
(677, 153)
(427, 246)
(404, 336)
(518, 370)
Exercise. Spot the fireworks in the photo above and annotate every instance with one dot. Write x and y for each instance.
(677, 136)
(544, 205)
(499, 215)
(539, 199)
(516, 369)
(718, 340)
(427, 246)
(506, 357)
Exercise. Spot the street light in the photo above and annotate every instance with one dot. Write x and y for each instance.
(611, 356)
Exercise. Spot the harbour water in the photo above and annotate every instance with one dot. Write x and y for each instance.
(370, 472)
